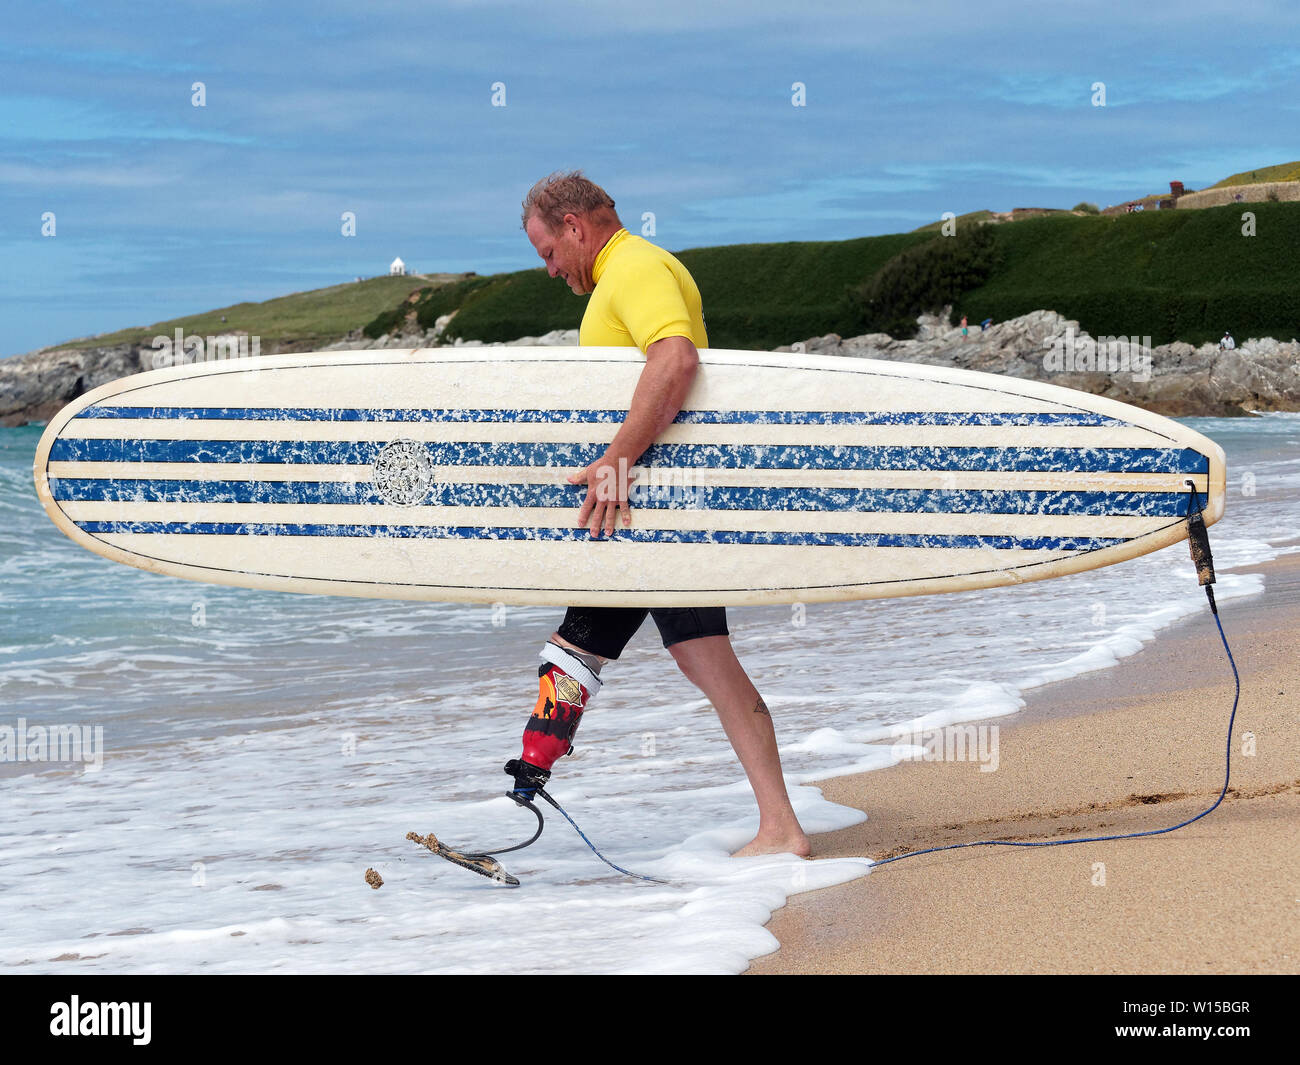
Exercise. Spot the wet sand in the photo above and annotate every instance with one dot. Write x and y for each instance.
(1136, 747)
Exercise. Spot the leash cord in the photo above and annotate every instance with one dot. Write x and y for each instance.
(638, 876)
(1205, 568)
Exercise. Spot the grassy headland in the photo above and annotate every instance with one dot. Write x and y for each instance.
(1171, 275)
(297, 322)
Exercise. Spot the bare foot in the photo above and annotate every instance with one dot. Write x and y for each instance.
(796, 844)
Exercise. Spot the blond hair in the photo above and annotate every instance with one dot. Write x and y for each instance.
(567, 193)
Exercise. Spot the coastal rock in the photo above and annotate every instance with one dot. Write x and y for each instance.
(830, 344)
(1177, 379)
(34, 387)
(556, 338)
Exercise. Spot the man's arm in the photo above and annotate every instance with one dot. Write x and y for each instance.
(660, 392)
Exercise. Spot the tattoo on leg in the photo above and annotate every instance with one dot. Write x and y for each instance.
(760, 707)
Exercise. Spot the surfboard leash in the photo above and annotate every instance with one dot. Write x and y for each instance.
(484, 861)
(539, 790)
(1199, 543)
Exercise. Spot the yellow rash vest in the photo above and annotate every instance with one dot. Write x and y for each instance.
(642, 294)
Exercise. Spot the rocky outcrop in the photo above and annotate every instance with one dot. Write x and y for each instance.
(556, 338)
(1176, 379)
(411, 336)
(34, 387)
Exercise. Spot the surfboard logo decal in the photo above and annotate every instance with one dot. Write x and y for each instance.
(403, 472)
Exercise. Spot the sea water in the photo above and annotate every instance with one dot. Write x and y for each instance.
(258, 752)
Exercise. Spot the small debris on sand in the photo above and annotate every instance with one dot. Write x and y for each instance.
(374, 879)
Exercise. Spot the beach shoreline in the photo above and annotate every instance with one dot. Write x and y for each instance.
(1133, 748)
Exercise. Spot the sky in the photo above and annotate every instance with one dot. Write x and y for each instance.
(122, 203)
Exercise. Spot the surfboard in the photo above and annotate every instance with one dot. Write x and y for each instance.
(440, 474)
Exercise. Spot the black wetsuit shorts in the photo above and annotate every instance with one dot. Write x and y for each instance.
(605, 631)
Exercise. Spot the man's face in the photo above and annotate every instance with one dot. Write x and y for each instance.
(563, 251)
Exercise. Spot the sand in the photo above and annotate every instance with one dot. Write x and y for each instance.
(1136, 747)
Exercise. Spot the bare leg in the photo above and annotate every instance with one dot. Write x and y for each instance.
(710, 663)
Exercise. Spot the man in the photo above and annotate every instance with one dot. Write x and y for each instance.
(642, 297)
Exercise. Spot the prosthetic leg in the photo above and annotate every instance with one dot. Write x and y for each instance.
(566, 682)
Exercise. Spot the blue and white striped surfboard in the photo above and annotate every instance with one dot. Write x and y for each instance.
(440, 474)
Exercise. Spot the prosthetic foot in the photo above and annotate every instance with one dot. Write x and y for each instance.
(566, 682)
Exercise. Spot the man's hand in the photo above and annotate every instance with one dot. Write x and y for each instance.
(607, 480)
(670, 366)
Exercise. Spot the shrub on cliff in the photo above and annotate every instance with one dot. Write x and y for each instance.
(923, 279)
(385, 322)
